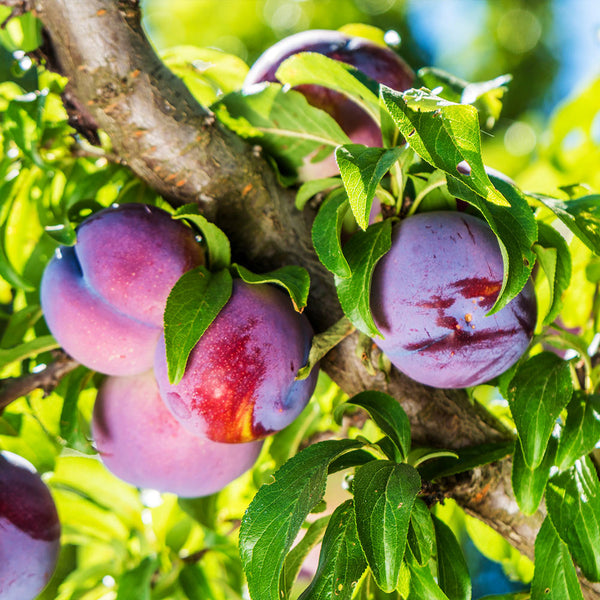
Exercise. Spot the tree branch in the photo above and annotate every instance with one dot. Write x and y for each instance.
(178, 148)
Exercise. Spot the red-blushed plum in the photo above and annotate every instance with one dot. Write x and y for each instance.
(29, 530)
(377, 62)
(239, 384)
(140, 442)
(430, 295)
(103, 299)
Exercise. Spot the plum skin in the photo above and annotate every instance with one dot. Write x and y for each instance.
(140, 442)
(239, 384)
(377, 62)
(430, 295)
(29, 531)
(103, 299)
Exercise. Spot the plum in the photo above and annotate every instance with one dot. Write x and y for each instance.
(29, 530)
(239, 384)
(104, 298)
(430, 295)
(377, 62)
(142, 443)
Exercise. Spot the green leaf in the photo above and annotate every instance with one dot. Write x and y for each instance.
(539, 391)
(27, 349)
(554, 577)
(69, 416)
(422, 583)
(581, 430)
(341, 561)
(516, 230)
(362, 169)
(310, 188)
(468, 459)
(384, 494)
(326, 231)
(388, 415)
(296, 556)
(137, 582)
(363, 251)
(219, 249)
(195, 583)
(421, 534)
(312, 68)
(208, 73)
(18, 325)
(552, 252)
(282, 122)
(278, 510)
(529, 483)
(453, 573)
(445, 134)
(295, 280)
(322, 343)
(581, 216)
(193, 304)
(573, 503)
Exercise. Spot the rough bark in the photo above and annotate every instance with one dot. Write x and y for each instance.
(177, 147)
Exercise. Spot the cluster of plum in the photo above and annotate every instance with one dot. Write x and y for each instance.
(104, 299)
(431, 293)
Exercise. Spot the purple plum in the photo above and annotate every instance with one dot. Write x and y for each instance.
(103, 299)
(239, 384)
(430, 295)
(142, 443)
(29, 530)
(377, 62)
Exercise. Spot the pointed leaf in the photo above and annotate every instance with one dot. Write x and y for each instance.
(573, 503)
(193, 304)
(326, 231)
(362, 170)
(384, 494)
(363, 251)
(294, 279)
(421, 534)
(539, 391)
(219, 250)
(453, 573)
(341, 562)
(529, 483)
(581, 431)
(388, 415)
(554, 577)
(278, 510)
(313, 68)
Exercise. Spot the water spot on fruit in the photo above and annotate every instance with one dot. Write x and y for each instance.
(179, 407)
(463, 167)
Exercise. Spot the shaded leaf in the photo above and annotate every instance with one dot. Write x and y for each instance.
(136, 583)
(453, 573)
(421, 534)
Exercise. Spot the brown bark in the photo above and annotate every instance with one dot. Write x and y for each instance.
(177, 147)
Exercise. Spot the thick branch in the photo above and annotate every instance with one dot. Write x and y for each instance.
(176, 146)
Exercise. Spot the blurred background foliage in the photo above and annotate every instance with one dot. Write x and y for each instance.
(548, 136)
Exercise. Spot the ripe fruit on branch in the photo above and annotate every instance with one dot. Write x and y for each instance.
(376, 62)
(143, 444)
(103, 299)
(239, 384)
(430, 296)
(29, 531)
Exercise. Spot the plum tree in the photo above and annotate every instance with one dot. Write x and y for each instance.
(430, 298)
(142, 443)
(377, 62)
(239, 384)
(103, 299)
(29, 530)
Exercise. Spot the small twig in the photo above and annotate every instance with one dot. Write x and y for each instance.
(13, 388)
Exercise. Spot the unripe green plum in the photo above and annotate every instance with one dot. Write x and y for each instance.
(103, 298)
(29, 530)
(140, 442)
(377, 62)
(430, 296)
(239, 384)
